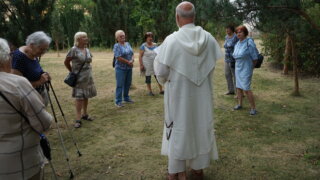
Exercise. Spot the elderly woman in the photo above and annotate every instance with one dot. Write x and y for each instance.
(20, 155)
(246, 55)
(229, 62)
(80, 58)
(123, 68)
(25, 60)
(146, 58)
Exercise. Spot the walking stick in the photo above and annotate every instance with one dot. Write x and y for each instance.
(59, 132)
(73, 138)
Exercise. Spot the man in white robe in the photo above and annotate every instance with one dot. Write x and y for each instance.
(185, 64)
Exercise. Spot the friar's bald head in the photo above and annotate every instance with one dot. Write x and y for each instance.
(185, 13)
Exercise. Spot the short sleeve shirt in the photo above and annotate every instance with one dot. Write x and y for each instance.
(125, 51)
(84, 78)
(246, 50)
(29, 68)
(144, 45)
(229, 44)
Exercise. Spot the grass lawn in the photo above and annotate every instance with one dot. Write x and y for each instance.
(281, 142)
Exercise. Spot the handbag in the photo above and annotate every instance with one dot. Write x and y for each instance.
(71, 78)
(44, 142)
(114, 61)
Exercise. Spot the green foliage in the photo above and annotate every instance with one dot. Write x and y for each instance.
(279, 18)
(308, 49)
(57, 32)
(274, 46)
(21, 18)
(101, 18)
(71, 15)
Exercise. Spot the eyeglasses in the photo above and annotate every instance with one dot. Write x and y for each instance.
(239, 32)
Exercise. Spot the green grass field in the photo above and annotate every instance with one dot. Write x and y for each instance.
(281, 142)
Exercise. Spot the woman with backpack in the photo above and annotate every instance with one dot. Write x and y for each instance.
(246, 56)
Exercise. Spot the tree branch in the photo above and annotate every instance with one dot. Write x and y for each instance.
(300, 13)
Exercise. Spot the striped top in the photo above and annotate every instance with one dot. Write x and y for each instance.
(20, 156)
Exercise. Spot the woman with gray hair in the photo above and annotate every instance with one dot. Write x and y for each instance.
(123, 68)
(80, 58)
(25, 60)
(20, 154)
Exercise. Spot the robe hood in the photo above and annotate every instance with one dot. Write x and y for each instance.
(192, 38)
(191, 51)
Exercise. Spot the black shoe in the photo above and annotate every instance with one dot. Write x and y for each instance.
(229, 93)
(87, 117)
(237, 107)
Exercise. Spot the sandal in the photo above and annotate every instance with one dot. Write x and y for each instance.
(77, 124)
(197, 174)
(172, 176)
(237, 107)
(87, 117)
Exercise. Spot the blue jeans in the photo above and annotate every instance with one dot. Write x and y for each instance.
(123, 80)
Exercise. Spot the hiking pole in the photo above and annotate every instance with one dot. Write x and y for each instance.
(59, 132)
(53, 170)
(72, 136)
(46, 150)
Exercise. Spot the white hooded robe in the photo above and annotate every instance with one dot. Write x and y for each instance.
(185, 64)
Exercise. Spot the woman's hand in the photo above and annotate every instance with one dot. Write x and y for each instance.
(130, 63)
(45, 77)
(67, 64)
(254, 63)
(141, 67)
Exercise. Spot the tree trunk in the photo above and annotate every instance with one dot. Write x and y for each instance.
(287, 55)
(295, 68)
(57, 47)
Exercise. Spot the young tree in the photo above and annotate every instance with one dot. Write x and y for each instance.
(57, 30)
(71, 14)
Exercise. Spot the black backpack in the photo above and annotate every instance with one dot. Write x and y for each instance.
(114, 61)
(260, 58)
(259, 61)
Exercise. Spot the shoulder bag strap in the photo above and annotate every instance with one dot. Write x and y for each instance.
(83, 63)
(20, 113)
(81, 67)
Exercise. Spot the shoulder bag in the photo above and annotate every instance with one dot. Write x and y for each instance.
(44, 142)
(71, 78)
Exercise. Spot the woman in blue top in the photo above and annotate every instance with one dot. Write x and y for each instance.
(246, 55)
(25, 61)
(229, 62)
(123, 68)
(146, 58)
